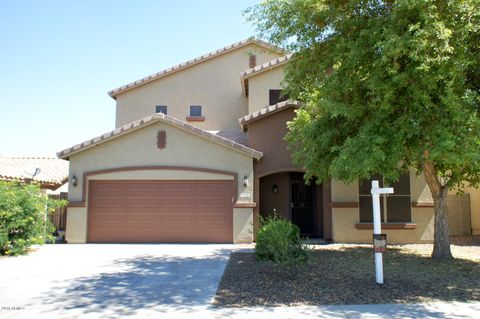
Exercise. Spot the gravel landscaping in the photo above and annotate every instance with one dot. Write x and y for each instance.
(344, 274)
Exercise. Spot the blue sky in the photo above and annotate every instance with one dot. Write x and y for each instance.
(58, 59)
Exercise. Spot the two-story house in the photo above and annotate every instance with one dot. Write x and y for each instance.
(198, 155)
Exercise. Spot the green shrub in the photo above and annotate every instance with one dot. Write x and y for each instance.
(278, 240)
(22, 217)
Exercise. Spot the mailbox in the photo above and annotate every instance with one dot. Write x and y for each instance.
(380, 243)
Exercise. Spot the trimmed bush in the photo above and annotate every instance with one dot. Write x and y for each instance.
(278, 240)
(22, 217)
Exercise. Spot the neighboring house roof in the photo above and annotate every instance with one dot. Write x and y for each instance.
(113, 93)
(266, 111)
(53, 171)
(262, 68)
(159, 117)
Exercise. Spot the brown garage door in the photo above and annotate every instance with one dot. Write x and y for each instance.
(160, 211)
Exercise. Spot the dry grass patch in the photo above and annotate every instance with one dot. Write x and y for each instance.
(344, 274)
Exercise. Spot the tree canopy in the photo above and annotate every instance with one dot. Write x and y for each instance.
(387, 86)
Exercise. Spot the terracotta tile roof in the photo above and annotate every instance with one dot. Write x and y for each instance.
(266, 66)
(113, 93)
(266, 111)
(53, 171)
(159, 117)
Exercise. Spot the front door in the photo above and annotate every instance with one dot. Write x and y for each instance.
(302, 204)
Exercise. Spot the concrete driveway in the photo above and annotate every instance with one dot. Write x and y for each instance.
(110, 281)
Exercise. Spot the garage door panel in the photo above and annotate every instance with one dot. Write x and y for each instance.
(143, 220)
(110, 203)
(103, 220)
(177, 218)
(142, 187)
(141, 203)
(209, 219)
(111, 194)
(211, 202)
(178, 203)
(142, 210)
(210, 187)
(109, 211)
(176, 195)
(109, 186)
(177, 187)
(160, 211)
(141, 195)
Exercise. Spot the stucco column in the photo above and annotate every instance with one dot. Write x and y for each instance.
(256, 210)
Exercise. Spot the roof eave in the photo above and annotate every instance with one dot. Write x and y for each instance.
(133, 126)
(265, 112)
(265, 67)
(179, 67)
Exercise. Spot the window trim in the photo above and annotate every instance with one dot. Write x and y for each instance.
(195, 118)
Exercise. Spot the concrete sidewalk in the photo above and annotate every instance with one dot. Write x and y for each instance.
(455, 310)
(431, 310)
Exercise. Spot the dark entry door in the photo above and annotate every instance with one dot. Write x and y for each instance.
(302, 203)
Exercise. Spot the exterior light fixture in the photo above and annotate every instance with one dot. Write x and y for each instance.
(74, 181)
(275, 188)
(245, 181)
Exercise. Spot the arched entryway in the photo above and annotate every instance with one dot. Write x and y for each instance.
(287, 195)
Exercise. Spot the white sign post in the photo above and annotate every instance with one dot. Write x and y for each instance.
(377, 226)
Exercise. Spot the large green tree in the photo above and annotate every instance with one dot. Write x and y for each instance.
(387, 86)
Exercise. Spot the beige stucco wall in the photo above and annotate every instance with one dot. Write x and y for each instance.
(243, 225)
(161, 174)
(259, 86)
(76, 229)
(474, 209)
(344, 219)
(214, 84)
(139, 149)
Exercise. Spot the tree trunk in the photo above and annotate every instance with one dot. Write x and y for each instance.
(441, 243)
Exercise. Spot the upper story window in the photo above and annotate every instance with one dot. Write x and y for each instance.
(195, 114)
(161, 109)
(394, 208)
(276, 96)
(195, 110)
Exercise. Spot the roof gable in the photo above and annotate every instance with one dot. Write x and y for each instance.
(159, 117)
(113, 93)
(277, 62)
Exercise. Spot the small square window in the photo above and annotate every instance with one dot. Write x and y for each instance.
(161, 109)
(195, 110)
(277, 96)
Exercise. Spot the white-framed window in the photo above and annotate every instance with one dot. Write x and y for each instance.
(394, 208)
